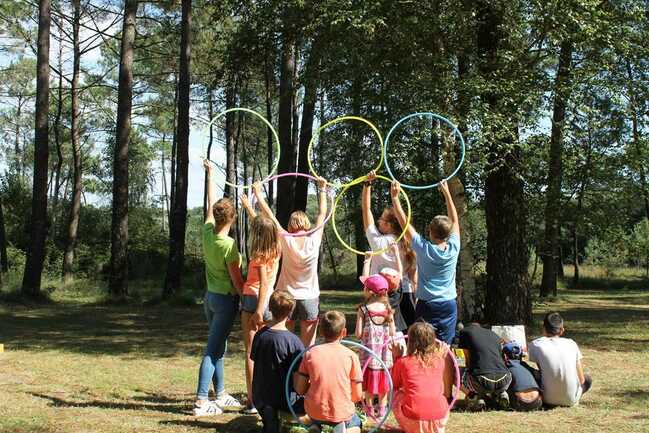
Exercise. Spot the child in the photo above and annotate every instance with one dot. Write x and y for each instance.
(563, 381)
(273, 350)
(224, 282)
(436, 264)
(374, 327)
(423, 382)
(524, 391)
(330, 379)
(299, 273)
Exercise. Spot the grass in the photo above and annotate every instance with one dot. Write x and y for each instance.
(76, 365)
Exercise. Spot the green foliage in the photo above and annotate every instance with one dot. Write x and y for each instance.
(608, 252)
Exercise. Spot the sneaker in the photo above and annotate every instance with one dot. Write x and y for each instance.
(226, 400)
(339, 428)
(477, 404)
(250, 410)
(315, 428)
(503, 400)
(208, 408)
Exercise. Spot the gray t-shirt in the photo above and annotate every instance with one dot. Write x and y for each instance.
(557, 359)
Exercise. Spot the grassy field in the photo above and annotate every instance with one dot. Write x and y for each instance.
(82, 366)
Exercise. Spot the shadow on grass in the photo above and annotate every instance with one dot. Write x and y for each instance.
(612, 284)
(634, 395)
(179, 409)
(240, 424)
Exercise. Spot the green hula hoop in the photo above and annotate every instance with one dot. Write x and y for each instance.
(277, 144)
(333, 122)
(333, 216)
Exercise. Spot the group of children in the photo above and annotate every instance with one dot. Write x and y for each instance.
(409, 287)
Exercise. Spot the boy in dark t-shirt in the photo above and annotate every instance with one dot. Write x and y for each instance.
(273, 349)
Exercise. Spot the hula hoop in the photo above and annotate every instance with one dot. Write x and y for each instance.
(277, 144)
(333, 219)
(449, 353)
(333, 122)
(349, 343)
(455, 131)
(308, 176)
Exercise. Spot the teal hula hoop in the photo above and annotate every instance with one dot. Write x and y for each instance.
(456, 132)
(349, 343)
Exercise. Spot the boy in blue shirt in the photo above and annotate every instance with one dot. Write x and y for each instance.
(436, 264)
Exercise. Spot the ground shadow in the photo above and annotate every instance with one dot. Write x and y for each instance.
(179, 409)
(240, 424)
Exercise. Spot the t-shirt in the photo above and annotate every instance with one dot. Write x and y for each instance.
(253, 280)
(299, 274)
(557, 359)
(436, 268)
(218, 251)
(379, 241)
(485, 353)
(273, 352)
(331, 368)
(522, 379)
(423, 387)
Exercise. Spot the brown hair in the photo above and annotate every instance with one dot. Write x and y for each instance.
(383, 299)
(440, 227)
(223, 211)
(422, 343)
(332, 324)
(264, 243)
(281, 304)
(298, 221)
(391, 220)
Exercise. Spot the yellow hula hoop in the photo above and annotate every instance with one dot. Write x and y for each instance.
(333, 122)
(333, 216)
(277, 144)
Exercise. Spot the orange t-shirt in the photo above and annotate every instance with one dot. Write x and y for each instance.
(251, 286)
(332, 370)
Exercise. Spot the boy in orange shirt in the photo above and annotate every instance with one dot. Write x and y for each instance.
(330, 379)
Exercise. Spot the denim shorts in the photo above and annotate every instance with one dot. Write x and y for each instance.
(249, 305)
(354, 421)
(306, 309)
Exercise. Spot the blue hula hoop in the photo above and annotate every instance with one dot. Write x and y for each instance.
(455, 130)
(349, 343)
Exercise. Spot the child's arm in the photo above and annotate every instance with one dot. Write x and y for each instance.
(322, 197)
(235, 276)
(257, 319)
(246, 205)
(263, 206)
(450, 207)
(392, 328)
(356, 377)
(395, 251)
(359, 324)
(300, 383)
(395, 188)
(367, 263)
(449, 378)
(211, 192)
(366, 201)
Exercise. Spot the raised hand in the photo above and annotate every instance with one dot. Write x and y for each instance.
(256, 189)
(371, 176)
(322, 183)
(395, 189)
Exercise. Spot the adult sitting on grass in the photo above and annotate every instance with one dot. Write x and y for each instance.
(524, 391)
(224, 283)
(562, 377)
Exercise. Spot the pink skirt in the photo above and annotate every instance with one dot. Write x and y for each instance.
(376, 382)
(410, 425)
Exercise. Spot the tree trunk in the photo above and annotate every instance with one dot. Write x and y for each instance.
(210, 113)
(174, 147)
(4, 263)
(507, 283)
(119, 239)
(31, 284)
(286, 185)
(165, 199)
(230, 154)
(179, 226)
(550, 250)
(585, 174)
(57, 139)
(269, 135)
(75, 205)
(575, 256)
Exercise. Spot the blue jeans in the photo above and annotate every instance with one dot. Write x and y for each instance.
(442, 315)
(220, 311)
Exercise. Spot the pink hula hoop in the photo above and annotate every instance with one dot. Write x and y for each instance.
(449, 353)
(308, 176)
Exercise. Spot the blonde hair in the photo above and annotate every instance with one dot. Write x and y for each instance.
(224, 212)
(440, 227)
(405, 244)
(371, 297)
(423, 344)
(264, 242)
(298, 221)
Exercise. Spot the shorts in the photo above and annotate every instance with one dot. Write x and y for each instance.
(306, 309)
(354, 421)
(487, 384)
(249, 305)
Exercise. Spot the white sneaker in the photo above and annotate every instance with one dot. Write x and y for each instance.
(208, 408)
(250, 410)
(226, 400)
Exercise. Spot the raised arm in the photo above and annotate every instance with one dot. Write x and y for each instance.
(395, 251)
(451, 212)
(366, 201)
(366, 263)
(211, 191)
(322, 198)
(395, 188)
(246, 205)
(263, 206)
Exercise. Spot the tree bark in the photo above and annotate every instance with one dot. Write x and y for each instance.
(57, 138)
(210, 113)
(4, 263)
(507, 283)
(286, 185)
(31, 284)
(75, 205)
(174, 146)
(179, 226)
(118, 282)
(550, 251)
